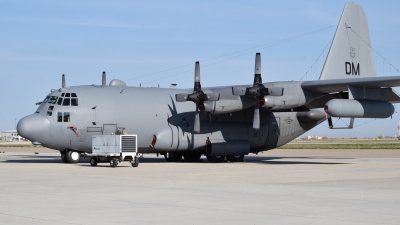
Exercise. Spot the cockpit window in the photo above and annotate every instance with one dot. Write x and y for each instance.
(74, 101)
(66, 101)
(59, 101)
(46, 99)
(70, 99)
(52, 100)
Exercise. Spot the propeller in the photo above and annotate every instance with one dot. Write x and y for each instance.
(257, 91)
(198, 97)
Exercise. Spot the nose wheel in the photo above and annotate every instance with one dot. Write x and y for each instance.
(68, 156)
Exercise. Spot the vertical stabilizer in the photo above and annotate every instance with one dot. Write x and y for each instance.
(350, 55)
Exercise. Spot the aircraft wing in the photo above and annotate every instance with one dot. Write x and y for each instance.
(338, 85)
(341, 85)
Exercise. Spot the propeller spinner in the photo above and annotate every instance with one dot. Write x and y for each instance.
(198, 97)
(257, 91)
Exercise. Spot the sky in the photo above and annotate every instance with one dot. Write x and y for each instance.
(157, 43)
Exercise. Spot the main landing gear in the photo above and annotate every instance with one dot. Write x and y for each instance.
(69, 156)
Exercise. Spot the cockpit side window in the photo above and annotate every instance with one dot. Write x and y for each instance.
(67, 117)
(59, 116)
(50, 111)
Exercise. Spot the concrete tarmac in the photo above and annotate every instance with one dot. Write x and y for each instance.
(274, 187)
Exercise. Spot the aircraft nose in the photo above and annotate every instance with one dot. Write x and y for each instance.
(34, 127)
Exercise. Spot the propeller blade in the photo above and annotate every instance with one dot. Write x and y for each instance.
(257, 70)
(197, 85)
(239, 91)
(181, 97)
(212, 96)
(275, 91)
(196, 128)
(63, 81)
(256, 118)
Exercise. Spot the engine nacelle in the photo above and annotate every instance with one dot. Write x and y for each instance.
(284, 102)
(226, 106)
(351, 108)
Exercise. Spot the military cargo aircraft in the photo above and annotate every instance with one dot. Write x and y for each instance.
(224, 122)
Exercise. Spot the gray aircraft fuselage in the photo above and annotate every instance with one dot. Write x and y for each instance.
(144, 111)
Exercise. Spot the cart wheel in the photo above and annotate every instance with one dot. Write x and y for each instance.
(114, 162)
(136, 163)
(93, 161)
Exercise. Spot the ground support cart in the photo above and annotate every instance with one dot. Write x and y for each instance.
(114, 149)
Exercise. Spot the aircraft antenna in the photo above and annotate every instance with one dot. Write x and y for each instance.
(63, 81)
(104, 80)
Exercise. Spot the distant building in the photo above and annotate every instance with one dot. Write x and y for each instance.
(11, 135)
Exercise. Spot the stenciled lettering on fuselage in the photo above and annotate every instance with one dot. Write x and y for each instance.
(351, 69)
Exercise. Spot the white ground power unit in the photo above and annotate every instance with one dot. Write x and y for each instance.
(114, 149)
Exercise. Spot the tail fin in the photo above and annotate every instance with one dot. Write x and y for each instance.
(350, 55)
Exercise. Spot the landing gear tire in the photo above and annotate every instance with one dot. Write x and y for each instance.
(192, 156)
(64, 158)
(114, 162)
(216, 158)
(93, 161)
(136, 163)
(73, 156)
(235, 158)
(173, 157)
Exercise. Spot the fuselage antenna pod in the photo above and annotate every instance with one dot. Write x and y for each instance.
(104, 80)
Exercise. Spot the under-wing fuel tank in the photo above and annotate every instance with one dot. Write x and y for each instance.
(351, 108)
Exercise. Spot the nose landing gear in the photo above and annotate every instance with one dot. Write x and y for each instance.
(69, 156)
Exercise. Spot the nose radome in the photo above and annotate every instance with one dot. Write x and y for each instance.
(34, 127)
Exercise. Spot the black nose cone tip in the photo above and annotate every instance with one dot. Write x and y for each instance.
(34, 127)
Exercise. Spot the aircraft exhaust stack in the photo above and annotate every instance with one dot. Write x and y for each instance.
(63, 81)
(104, 79)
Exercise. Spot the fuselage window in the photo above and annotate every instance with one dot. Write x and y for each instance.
(66, 101)
(74, 101)
(59, 116)
(66, 117)
(52, 100)
(59, 101)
